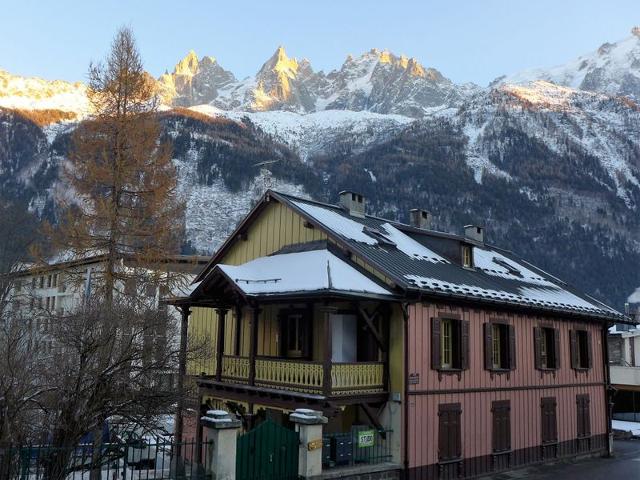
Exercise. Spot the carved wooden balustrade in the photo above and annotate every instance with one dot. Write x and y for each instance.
(235, 368)
(304, 376)
(353, 378)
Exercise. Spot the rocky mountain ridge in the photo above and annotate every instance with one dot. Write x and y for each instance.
(552, 170)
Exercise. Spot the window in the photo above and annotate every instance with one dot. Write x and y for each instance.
(499, 346)
(467, 256)
(449, 344)
(41, 281)
(501, 410)
(580, 346)
(295, 334)
(49, 281)
(449, 432)
(583, 417)
(546, 348)
(549, 426)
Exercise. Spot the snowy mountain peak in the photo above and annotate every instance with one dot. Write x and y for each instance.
(188, 65)
(281, 64)
(613, 69)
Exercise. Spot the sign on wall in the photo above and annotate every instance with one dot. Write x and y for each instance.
(366, 438)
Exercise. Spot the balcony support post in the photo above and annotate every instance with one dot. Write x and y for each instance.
(327, 313)
(253, 345)
(185, 311)
(222, 315)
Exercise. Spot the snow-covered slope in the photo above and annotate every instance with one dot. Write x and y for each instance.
(320, 132)
(32, 93)
(614, 69)
(566, 121)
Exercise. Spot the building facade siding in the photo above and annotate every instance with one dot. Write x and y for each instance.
(476, 388)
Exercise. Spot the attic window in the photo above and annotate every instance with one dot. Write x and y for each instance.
(378, 235)
(467, 256)
(510, 268)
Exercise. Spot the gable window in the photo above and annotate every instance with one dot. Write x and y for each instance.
(580, 346)
(467, 256)
(295, 334)
(449, 344)
(546, 348)
(499, 346)
(449, 432)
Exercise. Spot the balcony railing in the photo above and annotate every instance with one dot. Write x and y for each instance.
(304, 376)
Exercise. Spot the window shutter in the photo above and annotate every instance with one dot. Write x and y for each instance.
(586, 416)
(464, 344)
(556, 338)
(488, 346)
(589, 350)
(573, 348)
(512, 347)
(537, 346)
(435, 343)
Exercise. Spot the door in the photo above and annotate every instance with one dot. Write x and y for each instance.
(268, 452)
(344, 338)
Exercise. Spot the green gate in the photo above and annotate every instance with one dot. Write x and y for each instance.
(268, 452)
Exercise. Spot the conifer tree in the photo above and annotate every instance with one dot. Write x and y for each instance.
(124, 200)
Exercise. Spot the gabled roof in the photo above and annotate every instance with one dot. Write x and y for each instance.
(418, 264)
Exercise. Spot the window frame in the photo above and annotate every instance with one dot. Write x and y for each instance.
(449, 432)
(507, 347)
(466, 255)
(544, 347)
(501, 411)
(581, 349)
(305, 323)
(459, 344)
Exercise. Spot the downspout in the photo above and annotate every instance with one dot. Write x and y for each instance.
(405, 410)
(608, 391)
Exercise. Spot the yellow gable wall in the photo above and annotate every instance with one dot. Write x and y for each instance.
(275, 228)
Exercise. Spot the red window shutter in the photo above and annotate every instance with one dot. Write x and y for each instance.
(556, 338)
(512, 347)
(589, 350)
(464, 344)
(573, 348)
(537, 346)
(488, 346)
(435, 344)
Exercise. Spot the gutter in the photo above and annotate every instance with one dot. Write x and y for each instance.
(405, 410)
(608, 389)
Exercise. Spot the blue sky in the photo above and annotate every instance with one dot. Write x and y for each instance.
(467, 40)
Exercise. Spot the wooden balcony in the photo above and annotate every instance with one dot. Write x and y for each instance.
(346, 379)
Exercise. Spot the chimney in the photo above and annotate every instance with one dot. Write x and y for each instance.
(353, 203)
(474, 232)
(420, 218)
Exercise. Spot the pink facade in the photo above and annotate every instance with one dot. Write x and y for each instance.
(476, 388)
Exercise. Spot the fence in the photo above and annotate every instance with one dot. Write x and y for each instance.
(138, 460)
(362, 445)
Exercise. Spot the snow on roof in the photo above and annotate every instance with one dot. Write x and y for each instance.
(337, 223)
(300, 272)
(409, 246)
(545, 296)
(493, 263)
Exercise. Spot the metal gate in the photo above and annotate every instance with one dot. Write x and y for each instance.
(268, 452)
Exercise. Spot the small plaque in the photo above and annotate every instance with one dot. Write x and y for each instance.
(414, 378)
(314, 445)
(366, 438)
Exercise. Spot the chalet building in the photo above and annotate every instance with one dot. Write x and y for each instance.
(464, 358)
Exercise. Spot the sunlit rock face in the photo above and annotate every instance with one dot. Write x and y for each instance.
(382, 82)
(194, 81)
(377, 81)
